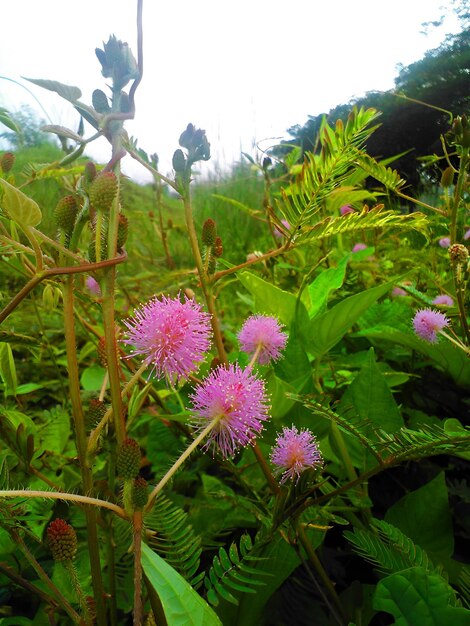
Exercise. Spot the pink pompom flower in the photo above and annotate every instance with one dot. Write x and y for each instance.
(344, 210)
(428, 323)
(443, 300)
(278, 233)
(444, 242)
(294, 452)
(171, 335)
(93, 286)
(237, 399)
(358, 247)
(262, 334)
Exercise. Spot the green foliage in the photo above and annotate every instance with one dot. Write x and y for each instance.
(233, 570)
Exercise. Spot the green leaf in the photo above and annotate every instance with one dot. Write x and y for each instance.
(415, 597)
(182, 605)
(372, 398)
(272, 300)
(327, 329)
(320, 289)
(68, 92)
(424, 516)
(6, 119)
(8, 369)
(21, 209)
(92, 378)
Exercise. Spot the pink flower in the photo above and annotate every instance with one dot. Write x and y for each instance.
(466, 236)
(238, 400)
(263, 334)
(444, 242)
(398, 291)
(359, 246)
(427, 323)
(344, 210)
(278, 233)
(294, 452)
(171, 335)
(93, 286)
(443, 300)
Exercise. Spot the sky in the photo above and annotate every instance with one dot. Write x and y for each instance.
(244, 71)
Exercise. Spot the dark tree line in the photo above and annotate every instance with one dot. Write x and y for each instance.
(440, 82)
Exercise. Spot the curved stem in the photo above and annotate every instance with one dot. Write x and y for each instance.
(177, 464)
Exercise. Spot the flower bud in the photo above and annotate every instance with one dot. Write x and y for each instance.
(95, 413)
(128, 459)
(179, 161)
(100, 101)
(209, 232)
(103, 190)
(6, 161)
(447, 177)
(217, 249)
(458, 254)
(65, 213)
(62, 540)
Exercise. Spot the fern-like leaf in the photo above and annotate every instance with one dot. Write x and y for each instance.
(389, 549)
(367, 219)
(174, 538)
(383, 174)
(322, 173)
(230, 571)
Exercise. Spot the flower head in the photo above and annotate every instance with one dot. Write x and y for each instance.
(443, 300)
(428, 322)
(294, 452)
(444, 242)
(263, 334)
(466, 235)
(278, 233)
(93, 286)
(237, 399)
(358, 247)
(171, 335)
(345, 209)
(398, 291)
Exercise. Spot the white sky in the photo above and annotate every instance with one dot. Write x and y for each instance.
(244, 71)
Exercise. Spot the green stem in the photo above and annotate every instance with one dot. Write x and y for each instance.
(177, 464)
(206, 288)
(461, 179)
(315, 561)
(81, 441)
(137, 545)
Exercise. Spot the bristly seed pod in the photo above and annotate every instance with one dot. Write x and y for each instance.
(128, 459)
(62, 540)
(103, 190)
(6, 161)
(209, 232)
(95, 413)
(123, 230)
(65, 213)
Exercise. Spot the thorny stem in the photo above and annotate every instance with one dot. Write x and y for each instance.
(81, 441)
(177, 464)
(137, 545)
(259, 259)
(206, 288)
(315, 561)
(66, 497)
(265, 469)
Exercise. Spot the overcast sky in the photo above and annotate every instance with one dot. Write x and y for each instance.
(245, 71)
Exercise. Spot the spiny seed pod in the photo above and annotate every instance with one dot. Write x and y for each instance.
(100, 101)
(447, 177)
(218, 249)
(103, 190)
(95, 413)
(140, 493)
(128, 459)
(458, 254)
(211, 266)
(123, 230)
(209, 232)
(6, 161)
(65, 213)
(62, 540)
